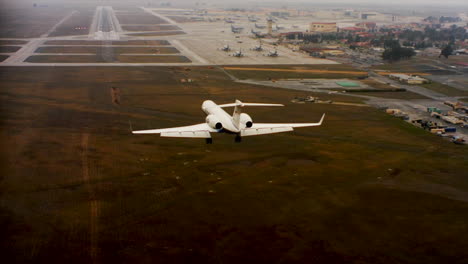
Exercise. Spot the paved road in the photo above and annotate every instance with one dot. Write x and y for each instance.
(23, 53)
(412, 88)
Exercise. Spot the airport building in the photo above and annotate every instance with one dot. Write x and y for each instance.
(409, 79)
(323, 27)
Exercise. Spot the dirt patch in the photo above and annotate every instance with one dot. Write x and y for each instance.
(115, 95)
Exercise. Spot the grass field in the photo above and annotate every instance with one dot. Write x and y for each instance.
(152, 59)
(97, 42)
(139, 18)
(429, 65)
(96, 49)
(12, 42)
(333, 71)
(8, 49)
(28, 22)
(393, 95)
(77, 187)
(64, 59)
(149, 27)
(444, 89)
(383, 86)
(77, 24)
(102, 59)
(160, 33)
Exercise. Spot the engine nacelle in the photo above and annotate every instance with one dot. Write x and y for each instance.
(214, 122)
(246, 120)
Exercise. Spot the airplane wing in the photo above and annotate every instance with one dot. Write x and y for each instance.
(196, 131)
(264, 128)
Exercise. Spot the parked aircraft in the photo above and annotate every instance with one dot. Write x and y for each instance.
(219, 121)
(252, 19)
(257, 34)
(258, 47)
(238, 54)
(272, 54)
(226, 48)
(235, 29)
(259, 26)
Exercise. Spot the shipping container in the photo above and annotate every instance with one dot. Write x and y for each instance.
(450, 129)
(437, 130)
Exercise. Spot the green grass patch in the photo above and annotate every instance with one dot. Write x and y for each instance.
(444, 89)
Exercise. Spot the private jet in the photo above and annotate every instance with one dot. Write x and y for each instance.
(219, 121)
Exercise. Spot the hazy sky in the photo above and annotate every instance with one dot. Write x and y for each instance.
(396, 3)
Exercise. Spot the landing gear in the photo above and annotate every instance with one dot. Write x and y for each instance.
(209, 140)
(238, 139)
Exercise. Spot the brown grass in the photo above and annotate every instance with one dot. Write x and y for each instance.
(97, 42)
(152, 59)
(161, 33)
(139, 18)
(9, 49)
(293, 197)
(149, 27)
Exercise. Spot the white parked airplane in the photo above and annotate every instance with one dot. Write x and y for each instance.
(218, 121)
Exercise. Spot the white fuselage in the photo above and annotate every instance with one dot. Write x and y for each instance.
(211, 108)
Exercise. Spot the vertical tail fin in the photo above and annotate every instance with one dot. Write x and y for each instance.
(237, 112)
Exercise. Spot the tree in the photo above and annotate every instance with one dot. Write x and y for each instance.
(396, 53)
(446, 52)
(391, 43)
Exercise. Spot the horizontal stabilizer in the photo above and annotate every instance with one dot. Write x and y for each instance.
(241, 104)
(268, 128)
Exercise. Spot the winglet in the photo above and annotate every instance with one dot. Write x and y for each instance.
(321, 119)
(130, 124)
